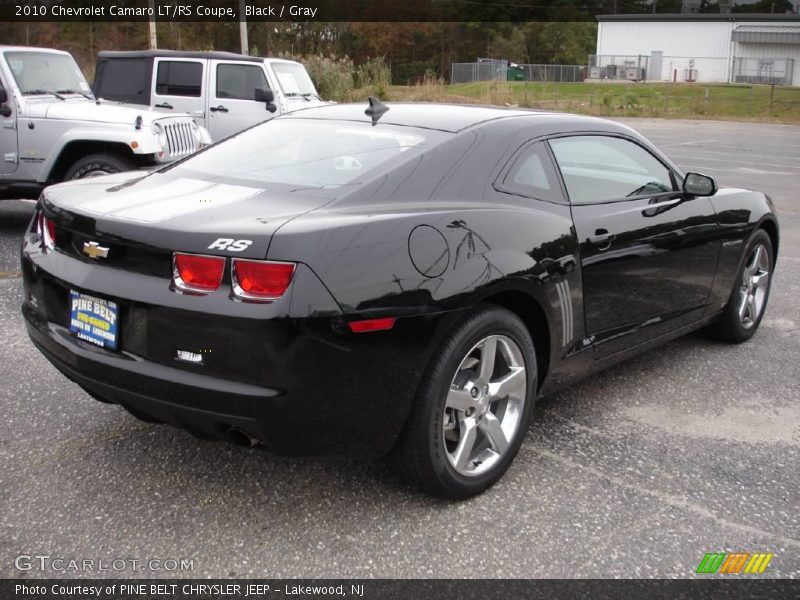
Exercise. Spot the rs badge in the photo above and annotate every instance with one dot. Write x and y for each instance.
(230, 244)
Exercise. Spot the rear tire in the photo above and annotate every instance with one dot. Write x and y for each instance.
(472, 407)
(748, 301)
(95, 165)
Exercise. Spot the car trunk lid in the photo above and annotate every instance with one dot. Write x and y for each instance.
(142, 220)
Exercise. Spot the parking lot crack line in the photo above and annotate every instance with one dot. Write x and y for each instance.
(675, 501)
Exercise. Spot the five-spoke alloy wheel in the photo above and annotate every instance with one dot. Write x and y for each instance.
(754, 286)
(484, 405)
(472, 407)
(746, 306)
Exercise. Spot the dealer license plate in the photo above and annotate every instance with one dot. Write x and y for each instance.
(93, 319)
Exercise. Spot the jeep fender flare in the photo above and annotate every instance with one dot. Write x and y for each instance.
(144, 142)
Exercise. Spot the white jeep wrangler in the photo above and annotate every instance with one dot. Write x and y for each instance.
(53, 129)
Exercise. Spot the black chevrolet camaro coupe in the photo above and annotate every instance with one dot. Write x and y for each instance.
(400, 281)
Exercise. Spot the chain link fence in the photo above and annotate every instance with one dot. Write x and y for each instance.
(484, 70)
(649, 100)
(552, 73)
(770, 71)
(502, 70)
(616, 67)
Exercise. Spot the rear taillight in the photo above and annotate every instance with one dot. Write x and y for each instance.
(46, 229)
(197, 273)
(260, 279)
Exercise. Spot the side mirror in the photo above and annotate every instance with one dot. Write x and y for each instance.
(5, 111)
(697, 184)
(267, 97)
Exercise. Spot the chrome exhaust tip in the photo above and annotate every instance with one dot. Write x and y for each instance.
(242, 438)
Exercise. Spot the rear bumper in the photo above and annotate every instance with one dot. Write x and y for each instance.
(195, 400)
(298, 384)
(358, 411)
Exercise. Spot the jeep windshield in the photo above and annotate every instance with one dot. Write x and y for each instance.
(38, 73)
(294, 80)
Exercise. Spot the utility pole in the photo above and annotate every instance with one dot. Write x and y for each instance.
(243, 29)
(151, 25)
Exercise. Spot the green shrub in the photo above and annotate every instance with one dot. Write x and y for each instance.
(374, 77)
(333, 77)
(431, 78)
(340, 80)
(629, 101)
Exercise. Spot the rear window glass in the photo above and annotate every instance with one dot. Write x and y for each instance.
(313, 153)
(532, 175)
(179, 78)
(123, 80)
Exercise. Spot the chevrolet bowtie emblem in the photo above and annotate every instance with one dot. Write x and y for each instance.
(95, 250)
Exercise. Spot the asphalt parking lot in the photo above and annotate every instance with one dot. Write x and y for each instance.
(692, 448)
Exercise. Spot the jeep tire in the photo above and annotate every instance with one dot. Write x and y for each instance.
(95, 165)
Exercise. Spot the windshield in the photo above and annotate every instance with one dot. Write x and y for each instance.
(293, 79)
(306, 152)
(42, 73)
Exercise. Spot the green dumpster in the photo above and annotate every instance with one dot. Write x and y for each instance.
(515, 73)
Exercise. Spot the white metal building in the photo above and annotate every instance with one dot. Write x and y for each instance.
(732, 48)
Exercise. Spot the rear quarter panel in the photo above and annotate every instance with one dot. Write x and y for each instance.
(433, 236)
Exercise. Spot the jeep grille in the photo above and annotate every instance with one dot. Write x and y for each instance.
(180, 139)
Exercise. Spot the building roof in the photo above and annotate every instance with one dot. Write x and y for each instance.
(778, 18)
(767, 34)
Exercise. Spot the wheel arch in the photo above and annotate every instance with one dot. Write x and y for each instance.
(771, 227)
(77, 149)
(529, 307)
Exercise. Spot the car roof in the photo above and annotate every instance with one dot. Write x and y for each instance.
(429, 115)
(177, 54)
(31, 49)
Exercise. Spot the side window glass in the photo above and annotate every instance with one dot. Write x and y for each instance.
(179, 78)
(240, 82)
(599, 168)
(532, 175)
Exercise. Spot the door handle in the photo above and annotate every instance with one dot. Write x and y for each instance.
(601, 237)
(219, 108)
(165, 105)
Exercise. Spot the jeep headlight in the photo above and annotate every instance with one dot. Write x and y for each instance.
(201, 136)
(161, 135)
(198, 142)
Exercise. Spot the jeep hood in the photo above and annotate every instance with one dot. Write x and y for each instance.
(81, 109)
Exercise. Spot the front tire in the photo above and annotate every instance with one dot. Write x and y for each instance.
(472, 407)
(95, 165)
(748, 301)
